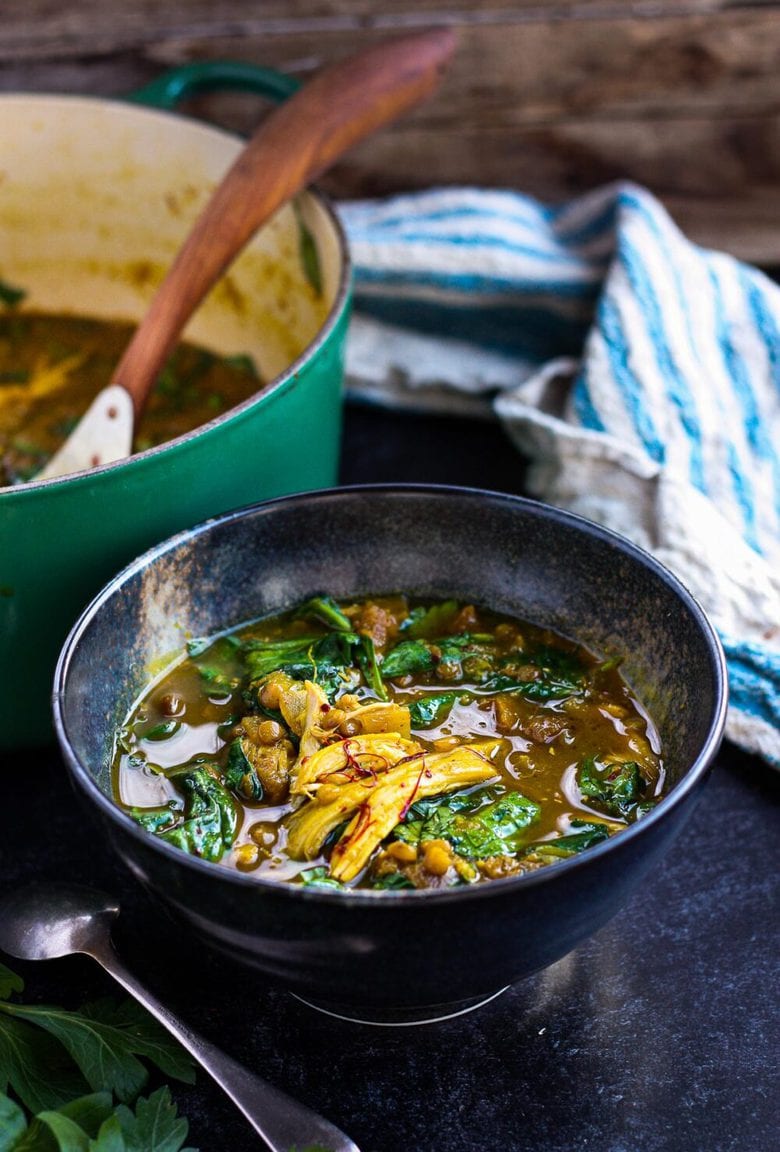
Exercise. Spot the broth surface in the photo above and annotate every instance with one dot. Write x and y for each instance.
(388, 744)
(52, 367)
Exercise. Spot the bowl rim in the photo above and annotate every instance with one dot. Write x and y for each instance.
(331, 321)
(355, 897)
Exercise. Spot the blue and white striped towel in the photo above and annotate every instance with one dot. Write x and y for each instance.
(640, 373)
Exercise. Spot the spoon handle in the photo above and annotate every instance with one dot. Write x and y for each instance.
(342, 105)
(282, 1122)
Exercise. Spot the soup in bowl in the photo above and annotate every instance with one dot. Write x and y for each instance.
(398, 747)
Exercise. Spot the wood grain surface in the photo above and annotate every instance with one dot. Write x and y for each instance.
(682, 96)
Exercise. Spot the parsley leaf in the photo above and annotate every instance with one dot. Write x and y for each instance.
(36, 1067)
(91, 1124)
(9, 982)
(103, 1051)
(154, 1126)
(50, 1058)
(13, 1124)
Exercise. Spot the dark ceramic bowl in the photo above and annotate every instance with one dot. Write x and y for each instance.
(414, 952)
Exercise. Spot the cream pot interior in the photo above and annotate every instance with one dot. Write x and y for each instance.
(97, 198)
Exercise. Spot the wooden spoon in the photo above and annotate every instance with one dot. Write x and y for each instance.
(294, 144)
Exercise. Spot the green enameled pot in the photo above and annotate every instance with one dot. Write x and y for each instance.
(95, 199)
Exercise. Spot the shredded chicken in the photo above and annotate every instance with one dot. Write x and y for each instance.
(356, 758)
(313, 734)
(377, 803)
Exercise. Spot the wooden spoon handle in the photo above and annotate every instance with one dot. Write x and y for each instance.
(293, 145)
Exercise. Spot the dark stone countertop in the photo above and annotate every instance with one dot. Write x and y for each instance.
(659, 1034)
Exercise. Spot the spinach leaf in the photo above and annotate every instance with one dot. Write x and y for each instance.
(241, 775)
(365, 654)
(326, 610)
(307, 250)
(427, 622)
(617, 788)
(162, 731)
(325, 660)
(452, 647)
(495, 830)
(333, 667)
(264, 657)
(156, 819)
(242, 363)
(548, 685)
(9, 295)
(406, 659)
(572, 843)
(474, 828)
(558, 662)
(431, 710)
(474, 657)
(393, 880)
(562, 674)
(318, 878)
(211, 817)
(218, 662)
(465, 656)
(455, 801)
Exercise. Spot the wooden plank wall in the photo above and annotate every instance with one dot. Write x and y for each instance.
(682, 96)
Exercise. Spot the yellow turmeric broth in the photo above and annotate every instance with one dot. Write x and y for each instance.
(387, 744)
(52, 367)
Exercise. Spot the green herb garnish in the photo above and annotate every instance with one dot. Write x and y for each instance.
(72, 1080)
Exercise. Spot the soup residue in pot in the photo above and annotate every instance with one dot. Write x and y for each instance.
(387, 744)
(52, 367)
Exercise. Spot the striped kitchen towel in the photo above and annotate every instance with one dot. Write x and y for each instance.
(638, 372)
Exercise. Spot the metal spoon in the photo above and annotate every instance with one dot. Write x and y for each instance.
(46, 921)
(341, 106)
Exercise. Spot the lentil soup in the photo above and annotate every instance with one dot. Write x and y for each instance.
(389, 744)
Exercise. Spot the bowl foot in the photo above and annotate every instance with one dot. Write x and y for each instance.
(398, 1017)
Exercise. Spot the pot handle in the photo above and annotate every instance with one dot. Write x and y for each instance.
(209, 75)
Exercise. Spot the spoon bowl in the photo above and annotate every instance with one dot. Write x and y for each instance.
(48, 921)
